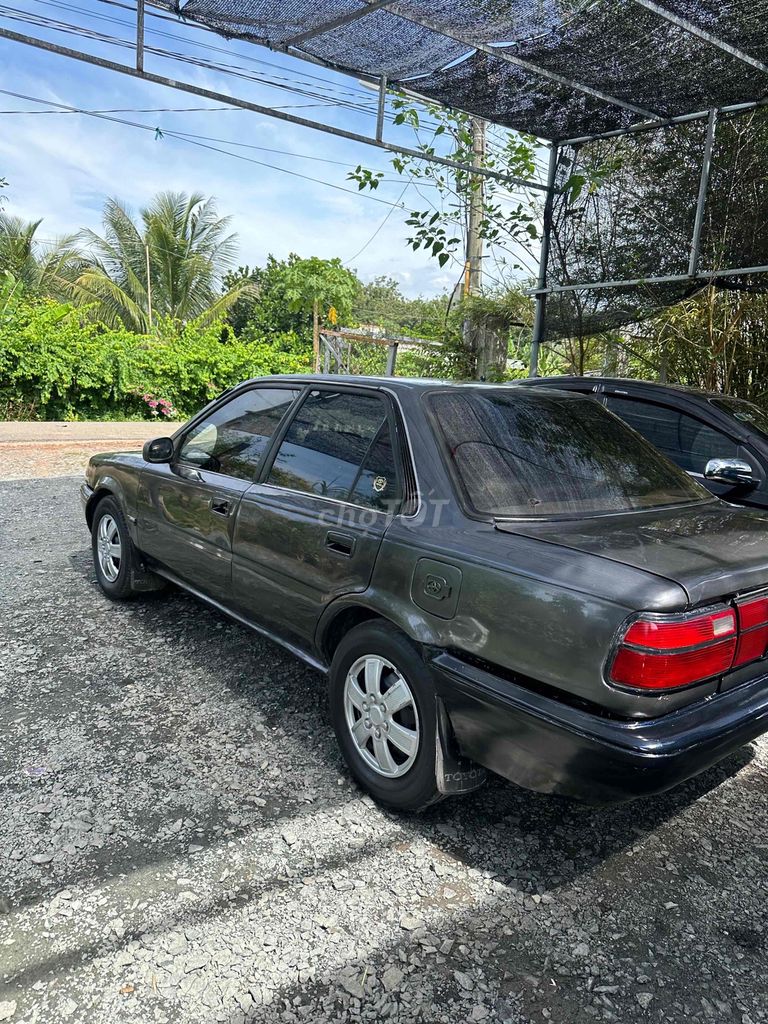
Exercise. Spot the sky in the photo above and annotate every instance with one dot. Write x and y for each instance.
(61, 166)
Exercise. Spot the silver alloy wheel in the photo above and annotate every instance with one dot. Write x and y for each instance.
(109, 548)
(381, 716)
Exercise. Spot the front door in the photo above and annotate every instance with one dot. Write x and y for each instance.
(187, 509)
(683, 438)
(312, 529)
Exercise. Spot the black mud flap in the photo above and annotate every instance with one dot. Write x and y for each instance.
(144, 580)
(455, 774)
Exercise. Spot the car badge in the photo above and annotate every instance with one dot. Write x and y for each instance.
(379, 484)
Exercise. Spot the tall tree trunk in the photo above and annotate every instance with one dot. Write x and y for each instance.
(316, 335)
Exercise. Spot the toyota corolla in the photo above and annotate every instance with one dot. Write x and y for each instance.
(490, 578)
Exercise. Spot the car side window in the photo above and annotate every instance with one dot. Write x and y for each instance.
(340, 446)
(688, 441)
(233, 439)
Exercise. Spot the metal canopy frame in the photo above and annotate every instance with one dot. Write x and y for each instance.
(258, 108)
(651, 121)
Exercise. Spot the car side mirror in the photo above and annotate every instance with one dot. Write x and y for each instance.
(158, 450)
(735, 472)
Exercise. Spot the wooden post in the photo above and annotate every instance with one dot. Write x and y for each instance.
(391, 359)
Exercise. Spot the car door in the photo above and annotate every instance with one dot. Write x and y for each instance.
(311, 529)
(686, 439)
(186, 508)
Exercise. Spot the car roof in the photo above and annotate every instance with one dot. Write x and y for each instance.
(393, 383)
(645, 385)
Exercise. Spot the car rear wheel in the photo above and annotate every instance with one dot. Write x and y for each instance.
(383, 710)
(113, 551)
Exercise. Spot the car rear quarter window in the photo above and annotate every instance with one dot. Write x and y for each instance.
(518, 454)
(340, 446)
(233, 439)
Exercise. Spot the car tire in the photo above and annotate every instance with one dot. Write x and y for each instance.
(114, 556)
(388, 743)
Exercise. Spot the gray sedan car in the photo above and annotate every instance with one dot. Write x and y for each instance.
(490, 578)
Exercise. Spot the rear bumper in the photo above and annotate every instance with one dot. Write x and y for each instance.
(545, 745)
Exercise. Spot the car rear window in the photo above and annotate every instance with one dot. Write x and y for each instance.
(529, 454)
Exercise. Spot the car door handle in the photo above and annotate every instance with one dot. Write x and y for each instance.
(220, 506)
(340, 543)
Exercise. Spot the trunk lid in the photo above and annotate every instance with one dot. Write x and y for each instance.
(711, 550)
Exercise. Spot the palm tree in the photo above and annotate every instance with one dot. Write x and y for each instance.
(169, 265)
(42, 269)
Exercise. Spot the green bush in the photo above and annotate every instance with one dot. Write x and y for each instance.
(56, 364)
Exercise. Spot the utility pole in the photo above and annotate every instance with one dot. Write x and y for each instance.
(473, 272)
(149, 287)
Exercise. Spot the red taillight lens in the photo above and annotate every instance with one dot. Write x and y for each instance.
(648, 670)
(753, 627)
(753, 613)
(661, 655)
(665, 636)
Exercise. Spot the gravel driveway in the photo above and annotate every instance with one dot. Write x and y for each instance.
(179, 842)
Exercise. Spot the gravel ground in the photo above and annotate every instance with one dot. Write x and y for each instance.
(179, 842)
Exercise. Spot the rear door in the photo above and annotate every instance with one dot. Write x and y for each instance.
(311, 529)
(187, 508)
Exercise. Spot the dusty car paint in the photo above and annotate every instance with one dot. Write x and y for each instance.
(534, 605)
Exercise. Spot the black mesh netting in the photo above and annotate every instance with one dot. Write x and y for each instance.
(618, 48)
(625, 210)
(563, 69)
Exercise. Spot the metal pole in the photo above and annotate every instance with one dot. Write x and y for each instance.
(540, 319)
(139, 35)
(652, 126)
(702, 278)
(701, 33)
(257, 108)
(382, 108)
(701, 202)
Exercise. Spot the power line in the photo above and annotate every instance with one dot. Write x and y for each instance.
(195, 142)
(233, 70)
(275, 81)
(130, 25)
(191, 135)
(379, 228)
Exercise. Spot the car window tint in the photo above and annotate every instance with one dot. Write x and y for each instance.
(233, 439)
(690, 442)
(744, 412)
(518, 454)
(658, 423)
(338, 447)
(377, 484)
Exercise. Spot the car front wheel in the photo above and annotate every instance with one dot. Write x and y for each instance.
(113, 552)
(383, 710)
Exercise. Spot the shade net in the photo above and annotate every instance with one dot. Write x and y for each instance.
(625, 211)
(557, 68)
(562, 70)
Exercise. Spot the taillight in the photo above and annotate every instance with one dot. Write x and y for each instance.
(661, 654)
(753, 630)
